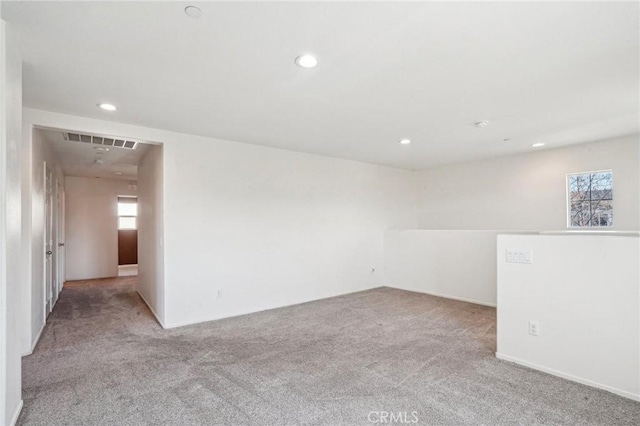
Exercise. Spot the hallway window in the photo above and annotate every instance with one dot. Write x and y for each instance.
(127, 213)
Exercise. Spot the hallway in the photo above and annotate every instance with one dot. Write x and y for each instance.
(103, 360)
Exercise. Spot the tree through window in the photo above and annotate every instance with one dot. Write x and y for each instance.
(590, 199)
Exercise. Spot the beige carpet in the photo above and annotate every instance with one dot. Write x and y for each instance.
(103, 360)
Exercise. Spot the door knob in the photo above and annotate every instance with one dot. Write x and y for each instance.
(60, 244)
(49, 252)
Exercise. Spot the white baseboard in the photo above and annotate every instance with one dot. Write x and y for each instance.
(34, 343)
(253, 311)
(16, 414)
(626, 394)
(446, 296)
(151, 309)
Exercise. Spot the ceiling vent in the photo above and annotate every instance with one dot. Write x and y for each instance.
(100, 140)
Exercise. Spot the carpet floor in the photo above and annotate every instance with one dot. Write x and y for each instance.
(103, 360)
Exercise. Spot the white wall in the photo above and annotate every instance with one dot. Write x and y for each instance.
(260, 226)
(151, 231)
(11, 279)
(527, 192)
(584, 290)
(454, 258)
(455, 264)
(92, 226)
(269, 228)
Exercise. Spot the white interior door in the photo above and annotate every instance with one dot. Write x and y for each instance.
(60, 250)
(48, 240)
(55, 235)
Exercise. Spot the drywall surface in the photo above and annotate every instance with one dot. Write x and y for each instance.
(584, 291)
(11, 279)
(458, 264)
(248, 228)
(92, 226)
(150, 231)
(527, 192)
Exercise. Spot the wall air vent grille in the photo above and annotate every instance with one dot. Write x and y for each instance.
(100, 140)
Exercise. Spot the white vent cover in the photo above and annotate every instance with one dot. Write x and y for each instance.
(101, 140)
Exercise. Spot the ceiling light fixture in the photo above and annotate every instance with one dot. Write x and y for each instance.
(117, 173)
(107, 107)
(481, 124)
(306, 61)
(405, 141)
(193, 12)
(100, 149)
(537, 145)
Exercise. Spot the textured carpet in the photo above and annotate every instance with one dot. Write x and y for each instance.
(103, 360)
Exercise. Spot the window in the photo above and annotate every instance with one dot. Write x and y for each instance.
(590, 199)
(127, 213)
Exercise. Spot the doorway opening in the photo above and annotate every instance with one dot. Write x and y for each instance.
(127, 236)
(95, 211)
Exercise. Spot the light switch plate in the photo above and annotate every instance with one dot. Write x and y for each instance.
(520, 256)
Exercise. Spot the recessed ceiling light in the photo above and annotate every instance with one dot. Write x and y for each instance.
(306, 61)
(193, 12)
(481, 124)
(117, 173)
(537, 145)
(107, 107)
(405, 141)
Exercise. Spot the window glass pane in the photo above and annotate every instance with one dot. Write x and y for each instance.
(602, 213)
(579, 187)
(127, 209)
(580, 213)
(127, 222)
(601, 186)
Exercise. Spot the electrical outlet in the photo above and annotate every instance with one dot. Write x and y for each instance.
(534, 328)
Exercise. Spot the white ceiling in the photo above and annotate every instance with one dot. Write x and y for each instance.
(554, 72)
(79, 159)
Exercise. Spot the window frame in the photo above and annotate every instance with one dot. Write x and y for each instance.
(118, 215)
(568, 200)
